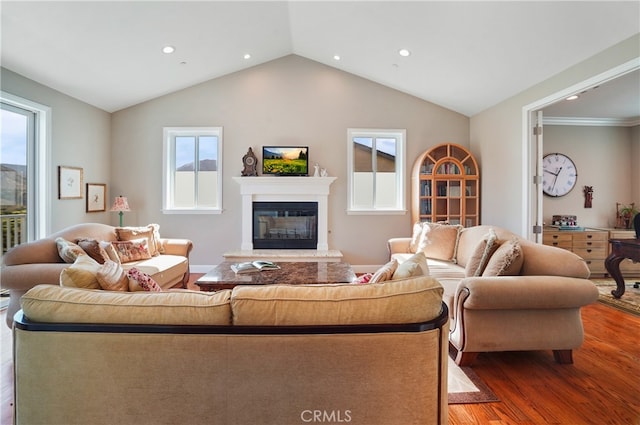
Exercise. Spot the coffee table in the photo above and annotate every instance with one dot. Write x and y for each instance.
(290, 273)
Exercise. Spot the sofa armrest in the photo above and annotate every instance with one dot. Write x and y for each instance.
(399, 245)
(25, 276)
(524, 292)
(180, 247)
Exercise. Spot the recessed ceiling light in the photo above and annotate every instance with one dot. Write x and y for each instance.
(168, 49)
(574, 97)
(404, 52)
(336, 57)
(247, 56)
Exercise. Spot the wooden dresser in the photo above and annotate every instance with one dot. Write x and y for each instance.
(590, 244)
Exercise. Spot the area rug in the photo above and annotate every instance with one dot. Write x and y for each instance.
(465, 387)
(630, 300)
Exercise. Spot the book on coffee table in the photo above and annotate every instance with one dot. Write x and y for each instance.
(254, 266)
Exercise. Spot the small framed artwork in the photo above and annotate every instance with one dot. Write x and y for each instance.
(69, 182)
(96, 194)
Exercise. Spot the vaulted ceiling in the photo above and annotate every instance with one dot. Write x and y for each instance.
(465, 56)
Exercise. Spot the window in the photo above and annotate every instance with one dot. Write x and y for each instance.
(24, 155)
(376, 171)
(192, 169)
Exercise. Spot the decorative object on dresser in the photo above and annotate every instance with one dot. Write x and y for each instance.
(446, 186)
(250, 163)
(624, 214)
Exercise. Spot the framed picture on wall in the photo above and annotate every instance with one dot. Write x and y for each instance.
(96, 195)
(69, 182)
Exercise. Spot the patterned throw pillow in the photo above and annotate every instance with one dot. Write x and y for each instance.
(150, 232)
(81, 274)
(112, 277)
(92, 247)
(362, 279)
(385, 272)
(140, 281)
(481, 254)
(68, 251)
(132, 250)
(506, 261)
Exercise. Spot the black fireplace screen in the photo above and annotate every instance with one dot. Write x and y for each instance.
(285, 225)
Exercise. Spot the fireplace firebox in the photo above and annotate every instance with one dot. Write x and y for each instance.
(285, 225)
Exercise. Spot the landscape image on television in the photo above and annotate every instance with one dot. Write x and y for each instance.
(285, 160)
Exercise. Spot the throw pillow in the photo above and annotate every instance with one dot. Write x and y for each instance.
(92, 247)
(439, 241)
(481, 254)
(112, 277)
(362, 279)
(110, 250)
(385, 272)
(416, 265)
(140, 281)
(415, 237)
(81, 274)
(133, 250)
(68, 250)
(506, 261)
(149, 232)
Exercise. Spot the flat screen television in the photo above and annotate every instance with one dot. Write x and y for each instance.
(285, 160)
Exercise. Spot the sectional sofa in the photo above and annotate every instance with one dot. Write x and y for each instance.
(277, 354)
(29, 264)
(504, 293)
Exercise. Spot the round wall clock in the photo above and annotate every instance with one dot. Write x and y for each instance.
(250, 164)
(559, 174)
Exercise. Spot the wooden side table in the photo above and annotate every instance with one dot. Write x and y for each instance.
(621, 249)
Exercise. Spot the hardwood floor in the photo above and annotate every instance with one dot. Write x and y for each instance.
(602, 386)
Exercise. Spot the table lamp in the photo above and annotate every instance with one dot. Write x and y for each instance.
(121, 205)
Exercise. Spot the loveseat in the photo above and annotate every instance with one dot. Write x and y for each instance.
(504, 293)
(32, 263)
(276, 354)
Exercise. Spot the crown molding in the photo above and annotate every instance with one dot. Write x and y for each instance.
(601, 122)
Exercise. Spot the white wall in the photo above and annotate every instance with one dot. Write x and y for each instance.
(603, 159)
(496, 137)
(80, 137)
(288, 101)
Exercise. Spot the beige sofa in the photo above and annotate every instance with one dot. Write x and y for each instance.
(277, 354)
(537, 307)
(29, 264)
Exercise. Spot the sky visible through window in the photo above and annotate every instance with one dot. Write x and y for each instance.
(387, 146)
(13, 149)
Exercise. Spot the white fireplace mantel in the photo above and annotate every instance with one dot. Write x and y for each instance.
(284, 189)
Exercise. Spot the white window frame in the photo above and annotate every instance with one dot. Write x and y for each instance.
(400, 136)
(169, 161)
(39, 157)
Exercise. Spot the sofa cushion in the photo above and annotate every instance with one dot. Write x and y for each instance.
(165, 269)
(110, 250)
(81, 274)
(68, 250)
(150, 232)
(49, 303)
(481, 254)
(112, 277)
(416, 265)
(133, 250)
(439, 240)
(385, 272)
(410, 300)
(506, 261)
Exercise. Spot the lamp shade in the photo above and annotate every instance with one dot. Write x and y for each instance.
(120, 204)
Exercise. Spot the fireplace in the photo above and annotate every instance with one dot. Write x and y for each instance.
(285, 225)
(299, 190)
